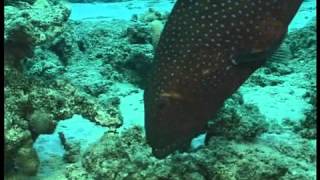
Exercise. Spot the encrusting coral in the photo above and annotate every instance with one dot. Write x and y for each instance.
(31, 25)
(233, 122)
(127, 156)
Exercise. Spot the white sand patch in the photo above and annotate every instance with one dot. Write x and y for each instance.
(131, 104)
(125, 10)
(118, 10)
(305, 14)
(50, 150)
(277, 102)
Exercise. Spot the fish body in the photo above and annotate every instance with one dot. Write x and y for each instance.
(207, 49)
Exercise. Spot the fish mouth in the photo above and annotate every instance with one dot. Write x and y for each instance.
(162, 152)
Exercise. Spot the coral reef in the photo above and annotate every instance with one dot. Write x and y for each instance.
(51, 53)
(32, 107)
(291, 82)
(17, 3)
(26, 26)
(40, 122)
(110, 116)
(55, 67)
(303, 46)
(63, 46)
(152, 15)
(95, 57)
(76, 171)
(290, 144)
(139, 34)
(140, 61)
(29, 25)
(237, 120)
(221, 159)
(117, 53)
(91, 1)
(117, 151)
(26, 160)
(307, 127)
(43, 65)
(156, 29)
(301, 66)
(148, 27)
(241, 146)
(15, 138)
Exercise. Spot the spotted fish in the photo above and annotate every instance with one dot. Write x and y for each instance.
(207, 49)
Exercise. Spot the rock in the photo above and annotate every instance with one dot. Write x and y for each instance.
(31, 25)
(238, 121)
(41, 122)
(139, 34)
(26, 160)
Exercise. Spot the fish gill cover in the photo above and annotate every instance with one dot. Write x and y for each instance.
(63, 60)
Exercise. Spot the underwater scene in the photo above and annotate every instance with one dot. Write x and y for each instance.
(160, 89)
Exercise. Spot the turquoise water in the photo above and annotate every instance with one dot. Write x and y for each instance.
(75, 74)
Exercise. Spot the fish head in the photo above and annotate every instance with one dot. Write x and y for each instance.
(170, 122)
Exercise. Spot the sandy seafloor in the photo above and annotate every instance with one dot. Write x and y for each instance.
(275, 102)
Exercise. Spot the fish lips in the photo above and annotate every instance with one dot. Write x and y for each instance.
(163, 151)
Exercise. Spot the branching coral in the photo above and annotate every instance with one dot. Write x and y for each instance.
(32, 107)
(111, 116)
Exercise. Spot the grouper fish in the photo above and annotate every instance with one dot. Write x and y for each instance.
(208, 48)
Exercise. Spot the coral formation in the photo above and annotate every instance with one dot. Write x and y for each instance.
(257, 153)
(156, 29)
(139, 34)
(221, 159)
(15, 138)
(152, 15)
(118, 152)
(26, 160)
(30, 25)
(26, 26)
(303, 46)
(76, 171)
(55, 67)
(237, 120)
(103, 48)
(32, 107)
(307, 127)
(91, 1)
(154, 22)
(110, 116)
(40, 122)
(43, 65)
(17, 3)
(140, 60)
(33, 103)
